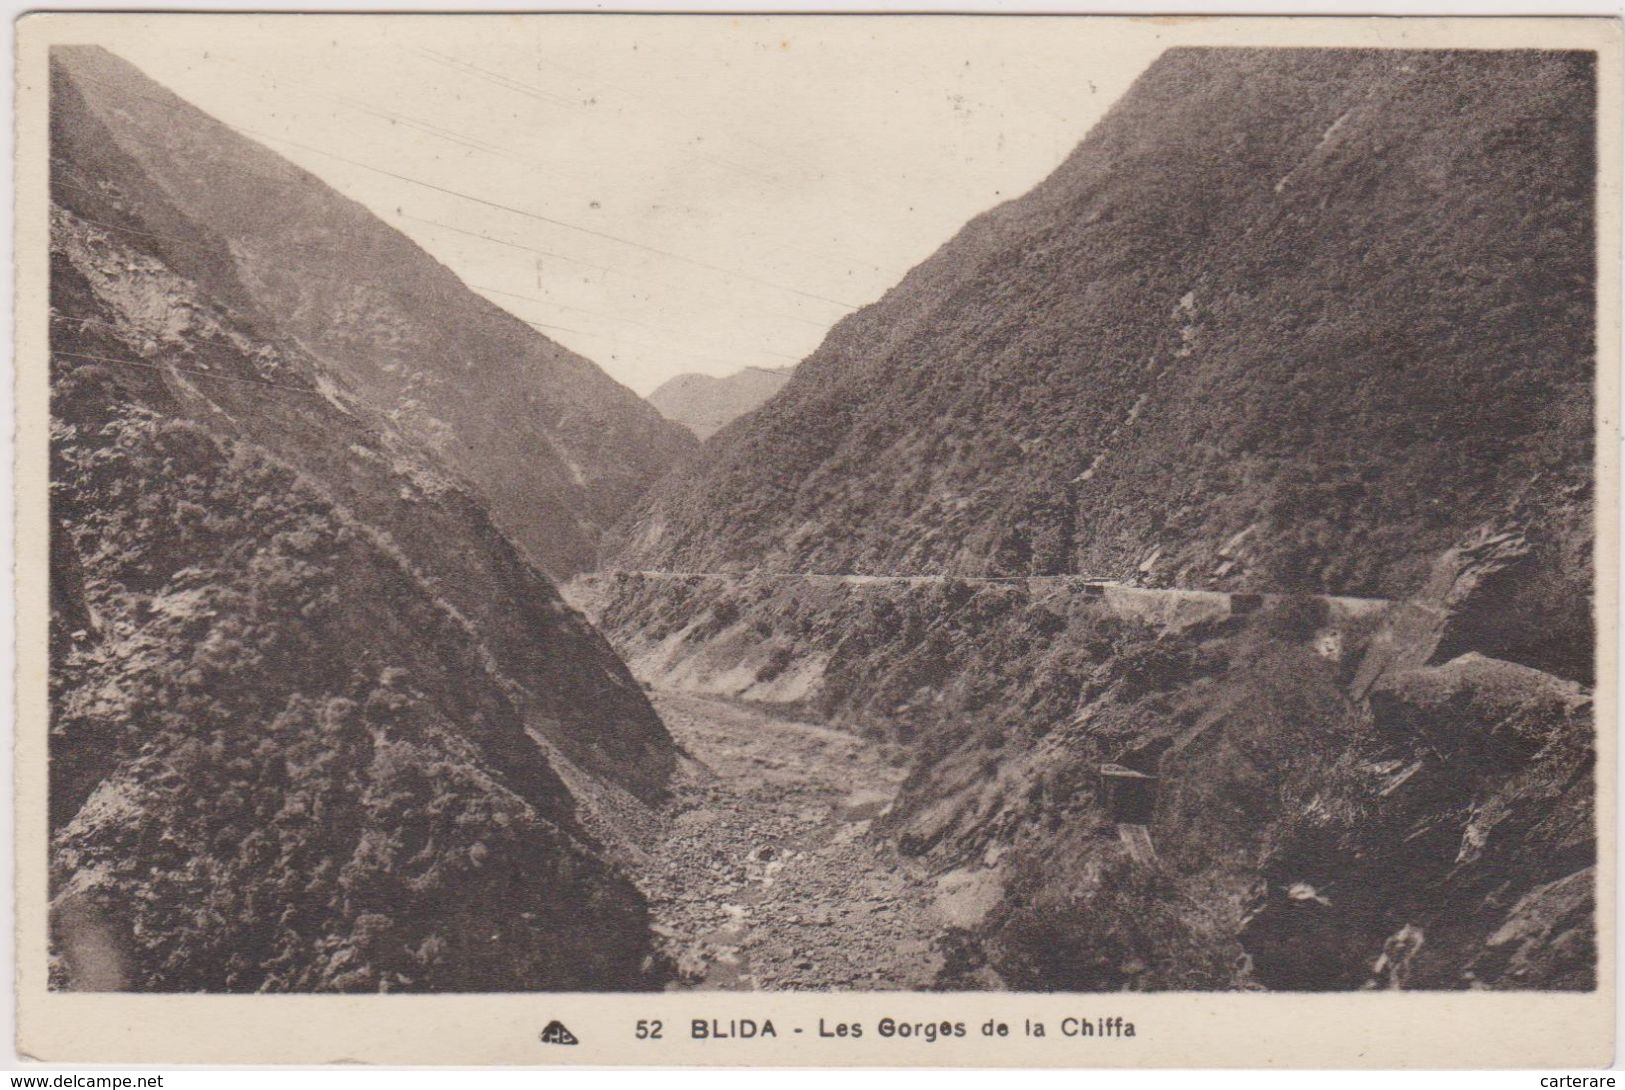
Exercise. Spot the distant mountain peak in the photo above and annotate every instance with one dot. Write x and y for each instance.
(704, 404)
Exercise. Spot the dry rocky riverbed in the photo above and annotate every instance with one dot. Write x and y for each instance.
(765, 877)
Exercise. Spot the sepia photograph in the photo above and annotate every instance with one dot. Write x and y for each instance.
(686, 505)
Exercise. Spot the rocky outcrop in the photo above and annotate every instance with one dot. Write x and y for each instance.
(1455, 845)
(1473, 598)
(1461, 827)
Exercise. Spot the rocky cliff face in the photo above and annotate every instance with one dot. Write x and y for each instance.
(317, 723)
(704, 404)
(557, 450)
(1285, 320)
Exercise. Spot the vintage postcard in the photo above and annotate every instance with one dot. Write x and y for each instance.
(897, 540)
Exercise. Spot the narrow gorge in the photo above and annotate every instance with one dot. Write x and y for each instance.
(1182, 580)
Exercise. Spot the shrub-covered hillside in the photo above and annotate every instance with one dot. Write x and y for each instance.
(313, 713)
(1285, 320)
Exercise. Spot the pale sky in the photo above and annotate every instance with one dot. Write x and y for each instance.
(713, 193)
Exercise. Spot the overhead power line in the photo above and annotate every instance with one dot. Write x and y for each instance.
(497, 78)
(566, 224)
(768, 175)
(817, 170)
(613, 317)
(497, 291)
(617, 338)
(427, 127)
(281, 86)
(506, 242)
(180, 105)
(480, 287)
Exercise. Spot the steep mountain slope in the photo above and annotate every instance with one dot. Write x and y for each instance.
(557, 448)
(704, 403)
(1288, 324)
(1285, 320)
(317, 724)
